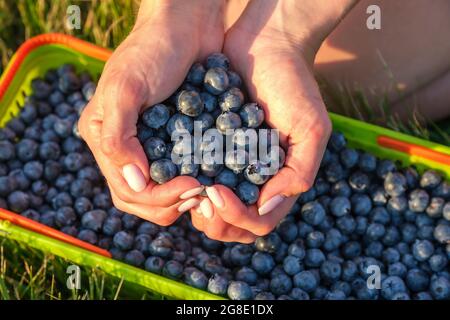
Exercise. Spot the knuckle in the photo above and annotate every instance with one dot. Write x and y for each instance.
(263, 230)
(111, 146)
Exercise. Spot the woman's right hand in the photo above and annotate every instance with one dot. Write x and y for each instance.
(145, 69)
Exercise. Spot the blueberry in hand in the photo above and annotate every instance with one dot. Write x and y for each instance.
(254, 173)
(231, 100)
(209, 101)
(236, 160)
(247, 192)
(154, 148)
(252, 115)
(228, 121)
(190, 103)
(156, 116)
(196, 74)
(188, 167)
(227, 178)
(216, 80)
(180, 122)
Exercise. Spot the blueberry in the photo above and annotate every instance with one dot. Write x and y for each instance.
(189, 103)
(340, 188)
(270, 243)
(130, 221)
(247, 275)
(349, 157)
(48, 218)
(238, 290)
(196, 74)
(435, 207)
(88, 236)
(234, 79)
(217, 59)
(31, 214)
(216, 80)
(93, 220)
(292, 265)
(241, 254)
(340, 206)
(163, 170)
(70, 230)
(204, 180)
(375, 231)
(26, 150)
(227, 178)
(199, 280)
(380, 215)
(442, 233)
(65, 216)
(72, 144)
(82, 205)
(188, 167)
(315, 239)
(280, 284)
(154, 264)
(68, 82)
(361, 204)
(18, 201)
(306, 281)
(49, 151)
(231, 100)
(63, 109)
(63, 127)
(123, 240)
(417, 280)
(330, 271)
(254, 173)
(359, 182)
(173, 269)
(423, 296)
(6, 186)
(247, 192)
(211, 169)
(440, 288)
(205, 120)
(397, 269)
(442, 191)
(313, 213)
(161, 247)
(237, 161)
(19, 180)
(262, 262)
(430, 179)
(287, 230)
(227, 122)
(181, 123)
(314, 258)
(422, 249)
(337, 141)
(334, 172)
(144, 132)
(154, 148)
(135, 258)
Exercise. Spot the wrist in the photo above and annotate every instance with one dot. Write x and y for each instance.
(299, 25)
(194, 14)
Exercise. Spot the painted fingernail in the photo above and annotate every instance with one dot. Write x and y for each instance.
(188, 204)
(215, 197)
(206, 208)
(134, 177)
(271, 204)
(192, 193)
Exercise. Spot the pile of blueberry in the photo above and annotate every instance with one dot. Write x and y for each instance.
(210, 98)
(364, 219)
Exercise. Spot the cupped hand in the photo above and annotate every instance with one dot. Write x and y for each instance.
(278, 72)
(144, 70)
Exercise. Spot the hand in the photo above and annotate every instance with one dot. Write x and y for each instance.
(144, 70)
(277, 64)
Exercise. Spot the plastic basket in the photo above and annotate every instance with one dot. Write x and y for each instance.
(43, 52)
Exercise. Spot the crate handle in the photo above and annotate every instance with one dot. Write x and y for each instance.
(32, 225)
(413, 149)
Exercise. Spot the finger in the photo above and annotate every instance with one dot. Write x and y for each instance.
(121, 97)
(164, 216)
(234, 212)
(217, 229)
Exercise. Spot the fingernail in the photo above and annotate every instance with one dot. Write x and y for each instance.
(188, 204)
(206, 208)
(192, 193)
(270, 204)
(134, 177)
(215, 197)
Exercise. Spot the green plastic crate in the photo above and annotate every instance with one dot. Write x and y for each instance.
(41, 53)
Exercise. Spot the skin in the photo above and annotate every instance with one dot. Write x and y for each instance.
(274, 46)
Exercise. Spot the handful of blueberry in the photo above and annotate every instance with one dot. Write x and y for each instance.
(208, 131)
(363, 217)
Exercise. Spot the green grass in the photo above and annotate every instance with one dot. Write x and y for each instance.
(26, 273)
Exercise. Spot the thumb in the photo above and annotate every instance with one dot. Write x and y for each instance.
(121, 98)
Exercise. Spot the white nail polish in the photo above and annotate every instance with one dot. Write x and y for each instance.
(215, 197)
(188, 204)
(192, 193)
(134, 177)
(206, 208)
(271, 204)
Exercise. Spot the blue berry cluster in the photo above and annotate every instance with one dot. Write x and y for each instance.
(362, 216)
(210, 96)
